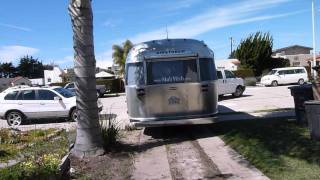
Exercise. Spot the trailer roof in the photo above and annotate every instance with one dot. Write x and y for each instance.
(168, 48)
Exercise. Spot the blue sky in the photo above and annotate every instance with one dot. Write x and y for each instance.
(43, 29)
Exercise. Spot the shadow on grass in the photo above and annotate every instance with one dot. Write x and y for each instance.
(4, 153)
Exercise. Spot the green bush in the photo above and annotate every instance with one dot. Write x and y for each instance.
(250, 81)
(244, 73)
(109, 130)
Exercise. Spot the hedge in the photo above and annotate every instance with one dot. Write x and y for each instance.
(244, 73)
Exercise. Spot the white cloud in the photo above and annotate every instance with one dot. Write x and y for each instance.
(64, 60)
(104, 59)
(236, 13)
(178, 4)
(12, 53)
(15, 27)
(217, 17)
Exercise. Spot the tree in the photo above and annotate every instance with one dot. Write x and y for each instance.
(30, 67)
(89, 140)
(255, 53)
(120, 54)
(7, 70)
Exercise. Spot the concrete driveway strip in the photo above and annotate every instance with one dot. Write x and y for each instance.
(229, 161)
(151, 163)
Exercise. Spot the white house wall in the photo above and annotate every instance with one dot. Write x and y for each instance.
(53, 76)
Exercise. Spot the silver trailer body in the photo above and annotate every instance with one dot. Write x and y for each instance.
(171, 81)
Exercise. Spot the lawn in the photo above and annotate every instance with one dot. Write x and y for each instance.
(280, 148)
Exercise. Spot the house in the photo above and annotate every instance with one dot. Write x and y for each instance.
(53, 76)
(37, 82)
(9, 82)
(229, 64)
(296, 54)
(310, 60)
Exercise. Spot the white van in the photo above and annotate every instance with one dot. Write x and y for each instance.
(288, 75)
(228, 83)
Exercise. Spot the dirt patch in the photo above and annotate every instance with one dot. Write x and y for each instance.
(117, 163)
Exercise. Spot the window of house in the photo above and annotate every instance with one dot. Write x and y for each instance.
(49, 79)
(296, 63)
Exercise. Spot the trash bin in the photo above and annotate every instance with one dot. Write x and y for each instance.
(301, 94)
(316, 90)
(313, 116)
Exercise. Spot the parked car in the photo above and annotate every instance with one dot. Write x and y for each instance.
(101, 89)
(21, 103)
(288, 75)
(228, 83)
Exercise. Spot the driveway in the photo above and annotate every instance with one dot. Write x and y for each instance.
(254, 99)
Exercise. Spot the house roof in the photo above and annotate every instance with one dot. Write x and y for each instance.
(103, 74)
(293, 46)
(11, 80)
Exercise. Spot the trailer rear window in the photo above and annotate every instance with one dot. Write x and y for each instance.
(135, 74)
(207, 69)
(167, 72)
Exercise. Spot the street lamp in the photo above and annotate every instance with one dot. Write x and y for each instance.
(314, 36)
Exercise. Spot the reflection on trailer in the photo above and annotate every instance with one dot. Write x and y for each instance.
(171, 81)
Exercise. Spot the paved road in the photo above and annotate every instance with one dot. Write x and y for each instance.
(254, 99)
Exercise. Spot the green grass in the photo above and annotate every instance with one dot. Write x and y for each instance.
(13, 143)
(34, 147)
(279, 148)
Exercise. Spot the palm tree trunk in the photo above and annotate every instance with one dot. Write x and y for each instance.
(89, 139)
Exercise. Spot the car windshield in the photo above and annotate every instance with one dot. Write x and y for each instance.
(64, 92)
(272, 72)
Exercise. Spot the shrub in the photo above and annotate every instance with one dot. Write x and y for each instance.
(109, 130)
(250, 81)
(244, 73)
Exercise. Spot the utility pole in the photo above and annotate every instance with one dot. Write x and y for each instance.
(231, 44)
(167, 32)
(314, 36)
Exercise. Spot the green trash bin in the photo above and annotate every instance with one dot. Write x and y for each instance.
(313, 116)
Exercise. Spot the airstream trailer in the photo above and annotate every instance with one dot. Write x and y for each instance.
(171, 82)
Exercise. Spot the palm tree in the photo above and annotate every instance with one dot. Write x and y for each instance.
(89, 139)
(120, 53)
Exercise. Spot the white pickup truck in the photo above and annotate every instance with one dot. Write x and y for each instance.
(228, 83)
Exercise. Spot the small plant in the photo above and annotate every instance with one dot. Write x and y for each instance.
(109, 130)
(130, 127)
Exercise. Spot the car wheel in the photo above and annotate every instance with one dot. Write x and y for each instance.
(301, 82)
(73, 115)
(14, 118)
(238, 92)
(274, 83)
